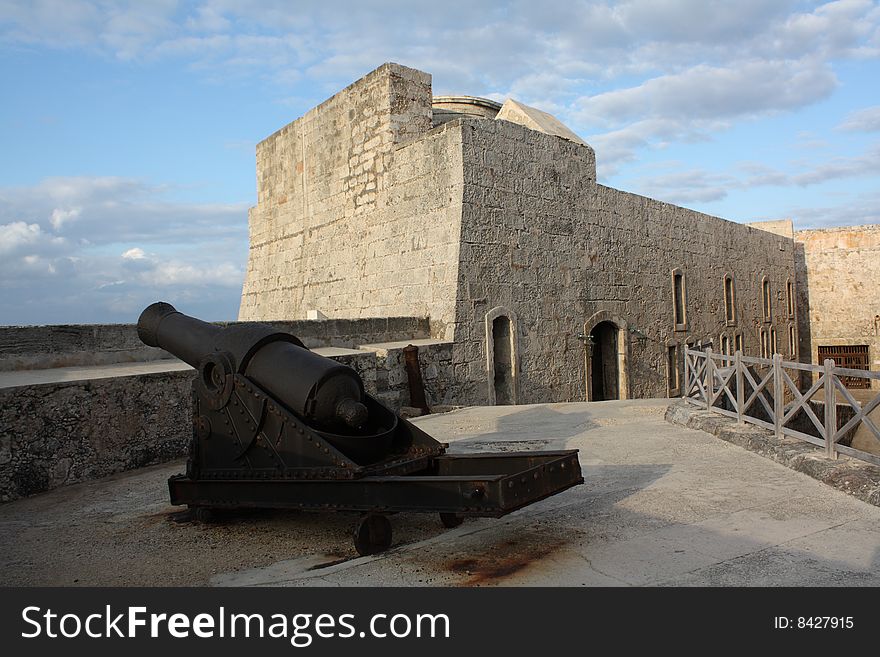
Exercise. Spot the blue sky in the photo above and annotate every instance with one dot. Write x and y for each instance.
(128, 128)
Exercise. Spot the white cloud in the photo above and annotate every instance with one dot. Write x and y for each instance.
(175, 273)
(336, 42)
(701, 185)
(617, 147)
(17, 234)
(706, 92)
(685, 187)
(841, 167)
(60, 216)
(194, 252)
(113, 209)
(124, 30)
(208, 19)
(863, 120)
(815, 173)
(862, 209)
(833, 29)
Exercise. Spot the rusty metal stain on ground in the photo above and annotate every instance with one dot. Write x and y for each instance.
(336, 558)
(512, 557)
(170, 514)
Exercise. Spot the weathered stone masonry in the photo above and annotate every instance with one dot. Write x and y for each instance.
(842, 273)
(338, 228)
(500, 235)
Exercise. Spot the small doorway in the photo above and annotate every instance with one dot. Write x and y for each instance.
(501, 356)
(503, 361)
(604, 362)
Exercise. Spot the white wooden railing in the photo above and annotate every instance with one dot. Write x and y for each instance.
(762, 391)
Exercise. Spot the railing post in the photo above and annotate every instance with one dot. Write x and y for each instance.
(686, 384)
(830, 410)
(710, 378)
(778, 402)
(740, 387)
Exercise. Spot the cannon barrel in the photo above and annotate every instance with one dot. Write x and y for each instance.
(323, 392)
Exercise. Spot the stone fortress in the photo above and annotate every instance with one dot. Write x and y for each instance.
(477, 232)
(489, 221)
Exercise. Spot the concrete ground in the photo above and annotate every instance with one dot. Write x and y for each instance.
(662, 505)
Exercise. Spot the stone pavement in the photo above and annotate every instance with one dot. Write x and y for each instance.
(662, 505)
(856, 477)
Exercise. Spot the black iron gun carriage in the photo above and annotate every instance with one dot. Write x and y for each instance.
(276, 425)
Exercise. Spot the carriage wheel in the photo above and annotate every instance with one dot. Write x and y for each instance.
(450, 520)
(202, 514)
(372, 534)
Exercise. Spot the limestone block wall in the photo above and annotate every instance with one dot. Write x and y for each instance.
(541, 239)
(62, 433)
(842, 272)
(356, 218)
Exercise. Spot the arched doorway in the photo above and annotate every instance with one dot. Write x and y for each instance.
(606, 341)
(502, 362)
(604, 370)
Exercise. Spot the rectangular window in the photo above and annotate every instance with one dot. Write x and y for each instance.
(679, 301)
(738, 342)
(792, 347)
(773, 347)
(765, 343)
(768, 307)
(729, 300)
(725, 345)
(789, 299)
(672, 369)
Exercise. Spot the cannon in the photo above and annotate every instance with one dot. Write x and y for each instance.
(276, 425)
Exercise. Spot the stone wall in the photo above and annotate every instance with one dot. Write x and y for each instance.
(842, 270)
(353, 217)
(542, 239)
(42, 347)
(62, 433)
(435, 363)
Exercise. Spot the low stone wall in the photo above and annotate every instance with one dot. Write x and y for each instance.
(44, 347)
(61, 433)
(53, 434)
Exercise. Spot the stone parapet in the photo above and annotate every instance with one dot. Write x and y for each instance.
(41, 347)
